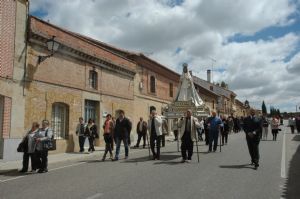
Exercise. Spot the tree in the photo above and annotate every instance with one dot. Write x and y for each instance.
(264, 108)
(223, 84)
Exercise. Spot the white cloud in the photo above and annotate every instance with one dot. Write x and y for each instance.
(194, 32)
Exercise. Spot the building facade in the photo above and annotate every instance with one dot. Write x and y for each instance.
(81, 79)
(13, 25)
(225, 104)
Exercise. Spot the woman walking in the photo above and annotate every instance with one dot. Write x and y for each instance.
(275, 127)
(108, 137)
(29, 150)
(91, 133)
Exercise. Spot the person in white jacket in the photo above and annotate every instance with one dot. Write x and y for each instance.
(155, 130)
(188, 126)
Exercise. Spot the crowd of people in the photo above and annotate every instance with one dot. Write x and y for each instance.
(187, 129)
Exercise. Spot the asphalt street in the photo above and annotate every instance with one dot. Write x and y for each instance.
(225, 174)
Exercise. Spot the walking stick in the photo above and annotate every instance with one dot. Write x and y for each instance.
(197, 150)
(148, 146)
(178, 135)
(220, 140)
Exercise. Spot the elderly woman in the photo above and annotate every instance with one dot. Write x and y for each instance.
(30, 148)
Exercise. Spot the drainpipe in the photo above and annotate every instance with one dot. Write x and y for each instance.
(26, 45)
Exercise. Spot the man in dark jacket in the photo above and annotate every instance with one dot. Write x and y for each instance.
(141, 130)
(122, 132)
(253, 130)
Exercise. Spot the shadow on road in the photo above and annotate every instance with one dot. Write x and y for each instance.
(239, 166)
(292, 183)
(13, 173)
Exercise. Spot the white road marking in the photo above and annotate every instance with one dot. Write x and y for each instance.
(12, 179)
(97, 195)
(71, 165)
(283, 159)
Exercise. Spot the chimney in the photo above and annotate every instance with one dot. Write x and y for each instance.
(209, 76)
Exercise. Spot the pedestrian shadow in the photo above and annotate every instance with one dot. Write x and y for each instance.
(138, 159)
(292, 183)
(13, 173)
(238, 166)
(296, 138)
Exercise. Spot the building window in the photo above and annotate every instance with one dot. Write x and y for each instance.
(1, 115)
(211, 88)
(213, 104)
(90, 109)
(171, 90)
(93, 79)
(152, 84)
(60, 120)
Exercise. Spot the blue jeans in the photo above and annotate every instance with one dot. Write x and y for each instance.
(118, 145)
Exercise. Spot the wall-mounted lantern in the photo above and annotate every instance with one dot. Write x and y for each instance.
(52, 46)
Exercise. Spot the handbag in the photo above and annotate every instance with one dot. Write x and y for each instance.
(49, 144)
(22, 147)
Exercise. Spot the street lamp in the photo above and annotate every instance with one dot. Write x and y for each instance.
(52, 46)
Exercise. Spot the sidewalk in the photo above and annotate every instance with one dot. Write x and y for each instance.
(52, 158)
(62, 157)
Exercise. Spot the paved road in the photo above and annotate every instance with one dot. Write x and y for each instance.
(223, 175)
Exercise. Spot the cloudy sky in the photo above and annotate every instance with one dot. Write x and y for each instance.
(254, 45)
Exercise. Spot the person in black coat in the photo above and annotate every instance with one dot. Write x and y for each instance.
(91, 131)
(122, 132)
(225, 131)
(253, 130)
(141, 130)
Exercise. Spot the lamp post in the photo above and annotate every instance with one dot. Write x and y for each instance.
(52, 46)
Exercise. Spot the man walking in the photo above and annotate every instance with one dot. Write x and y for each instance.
(122, 132)
(214, 124)
(80, 133)
(188, 127)
(141, 130)
(253, 129)
(155, 129)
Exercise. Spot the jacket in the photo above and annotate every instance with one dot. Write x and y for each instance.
(194, 125)
(42, 135)
(122, 128)
(253, 124)
(158, 125)
(80, 129)
(144, 128)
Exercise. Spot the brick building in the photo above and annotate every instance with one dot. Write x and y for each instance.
(80, 79)
(12, 63)
(225, 104)
(84, 77)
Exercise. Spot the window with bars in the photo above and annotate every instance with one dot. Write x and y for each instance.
(60, 120)
(93, 79)
(90, 108)
(152, 84)
(171, 90)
